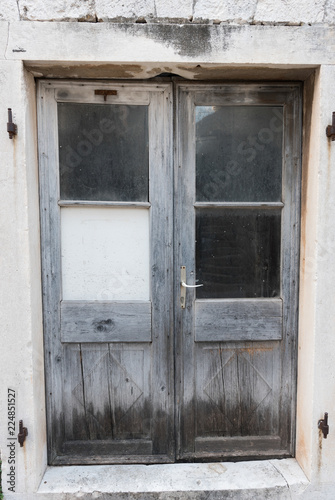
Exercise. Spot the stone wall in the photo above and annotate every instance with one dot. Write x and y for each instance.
(292, 12)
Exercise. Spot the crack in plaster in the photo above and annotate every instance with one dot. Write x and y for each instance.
(282, 475)
(193, 7)
(7, 42)
(18, 8)
(254, 13)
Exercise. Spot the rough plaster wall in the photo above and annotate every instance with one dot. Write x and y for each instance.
(293, 12)
(9, 10)
(329, 12)
(58, 10)
(20, 294)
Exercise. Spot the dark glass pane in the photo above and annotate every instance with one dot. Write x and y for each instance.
(238, 253)
(103, 152)
(238, 153)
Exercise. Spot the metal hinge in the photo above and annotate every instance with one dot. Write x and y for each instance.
(330, 130)
(323, 425)
(11, 127)
(23, 432)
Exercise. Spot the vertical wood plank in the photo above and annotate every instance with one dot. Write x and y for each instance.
(161, 226)
(74, 402)
(290, 262)
(185, 256)
(50, 256)
(129, 393)
(96, 389)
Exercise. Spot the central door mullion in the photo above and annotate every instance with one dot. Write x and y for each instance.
(161, 234)
(185, 256)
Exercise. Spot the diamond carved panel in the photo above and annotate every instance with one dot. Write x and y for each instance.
(117, 384)
(237, 390)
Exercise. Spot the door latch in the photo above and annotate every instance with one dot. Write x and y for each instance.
(23, 432)
(323, 425)
(105, 92)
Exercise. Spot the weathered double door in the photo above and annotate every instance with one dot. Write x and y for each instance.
(169, 259)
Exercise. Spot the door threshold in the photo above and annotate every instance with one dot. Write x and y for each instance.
(257, 479)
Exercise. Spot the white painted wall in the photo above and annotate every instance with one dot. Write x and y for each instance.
(90, 49)
(21, 319)
(324, 451)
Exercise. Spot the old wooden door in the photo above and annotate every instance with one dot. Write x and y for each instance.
(140, 365)
(106, 216)
(237, 230)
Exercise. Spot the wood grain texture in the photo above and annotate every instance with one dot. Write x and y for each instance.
(73, 396)
(126, 94)
(84, 321)
(251, 444)
(161, 230)
(123, 204)
(237, 389)
(185, 256)
(238, 320)
(50, 262)
(100, 448)
(96, 382)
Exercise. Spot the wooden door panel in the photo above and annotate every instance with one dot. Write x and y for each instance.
(131, 391)
(251, 446)
(234, 320)
(237, 220)
(84, 321)
(237, 389)
(106, 248)
(95, 387)
(107, 398)
(105, 451)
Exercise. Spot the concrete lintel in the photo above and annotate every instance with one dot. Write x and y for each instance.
(256, 479)
(177, 43)
(191, 71)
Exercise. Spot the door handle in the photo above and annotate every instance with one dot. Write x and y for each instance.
(183, 286)
(189, 286)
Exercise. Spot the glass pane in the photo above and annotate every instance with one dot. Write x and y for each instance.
(103, 152)
(238, 153)
(105, 253)
(238, 253)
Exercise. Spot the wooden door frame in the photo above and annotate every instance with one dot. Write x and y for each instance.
(51, 288)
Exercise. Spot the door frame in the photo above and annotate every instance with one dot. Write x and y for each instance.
(172, 339)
